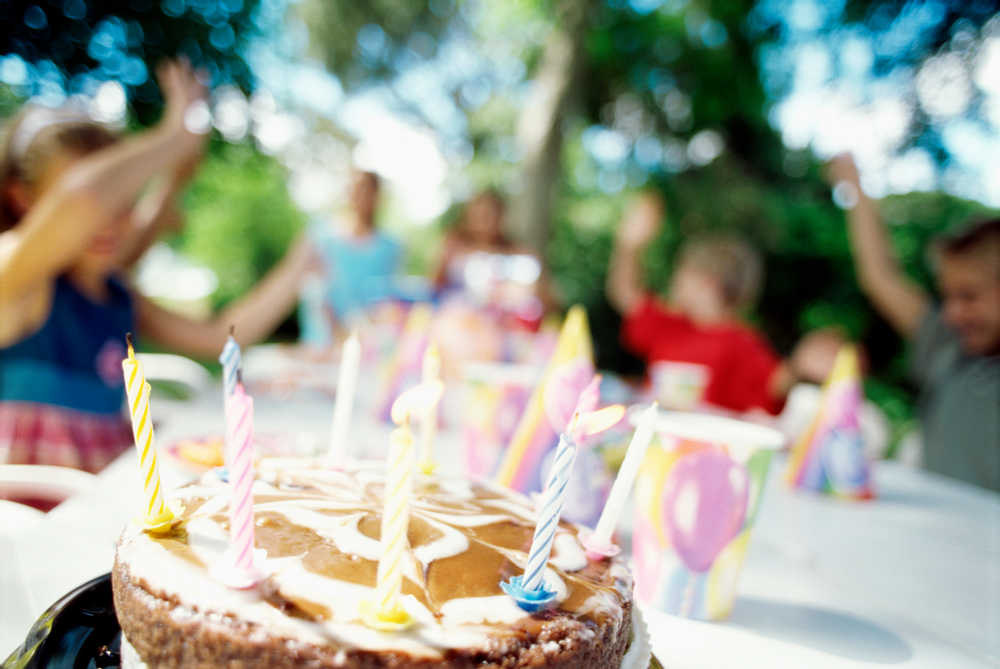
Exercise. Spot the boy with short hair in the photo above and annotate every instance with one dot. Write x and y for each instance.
(955, 346)
(696, 335)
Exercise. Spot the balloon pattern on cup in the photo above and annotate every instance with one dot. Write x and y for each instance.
(704, 504)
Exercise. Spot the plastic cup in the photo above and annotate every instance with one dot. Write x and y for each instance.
(678, 385)
(696, 498)
(496, 395)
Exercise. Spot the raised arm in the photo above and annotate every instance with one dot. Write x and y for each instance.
(157, 212)
(625, 284)
(901, 301)
(254, 316)
(95, 190)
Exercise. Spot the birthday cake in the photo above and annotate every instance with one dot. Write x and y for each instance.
(317, 532)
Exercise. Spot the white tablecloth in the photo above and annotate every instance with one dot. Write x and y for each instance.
(910, 579)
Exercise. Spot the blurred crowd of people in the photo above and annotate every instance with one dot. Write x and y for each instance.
(77, 212)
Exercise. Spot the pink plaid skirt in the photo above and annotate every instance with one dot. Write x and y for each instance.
(43, 434)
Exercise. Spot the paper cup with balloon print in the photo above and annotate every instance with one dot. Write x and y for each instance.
(696, 498)
(495, 399)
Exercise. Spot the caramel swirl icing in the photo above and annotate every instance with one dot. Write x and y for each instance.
(320, 530)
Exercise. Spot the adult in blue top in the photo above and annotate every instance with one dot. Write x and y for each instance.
(955, 346)
(360, 263)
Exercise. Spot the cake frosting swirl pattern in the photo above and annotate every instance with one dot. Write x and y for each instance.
(319, 528)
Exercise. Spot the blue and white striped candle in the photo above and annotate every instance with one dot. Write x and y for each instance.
(232, 361)
(548, 521)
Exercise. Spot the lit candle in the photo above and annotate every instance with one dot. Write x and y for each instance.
(429, 420)
(157, 517)
(385, 609)
(530, 590)
(587, 403)
(395, 522)
(347, 379)
(598, 544)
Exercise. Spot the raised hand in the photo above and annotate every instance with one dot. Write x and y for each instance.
(642, 222)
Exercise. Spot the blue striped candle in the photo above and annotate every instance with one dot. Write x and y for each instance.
(548, 521)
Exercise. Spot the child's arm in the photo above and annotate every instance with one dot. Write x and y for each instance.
(253, 317)
(900, 301)
(625, 285)
(157, 212)
(94, 191)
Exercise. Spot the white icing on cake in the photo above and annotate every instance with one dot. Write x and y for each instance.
(331, 507)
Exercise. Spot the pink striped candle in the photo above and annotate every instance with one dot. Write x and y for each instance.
(239, 566)
(240, 430)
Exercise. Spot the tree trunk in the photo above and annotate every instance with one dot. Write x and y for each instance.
(540, 129)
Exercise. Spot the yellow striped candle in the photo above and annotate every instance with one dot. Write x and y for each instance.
(385, 609)
(395, 522)
(157, 516)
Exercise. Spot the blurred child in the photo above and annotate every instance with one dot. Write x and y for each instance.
(360, 264)
(480, 262)
(68, 186)
(696, 348)
(954, 338)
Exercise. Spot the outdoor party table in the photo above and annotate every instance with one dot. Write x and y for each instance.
(909, 579)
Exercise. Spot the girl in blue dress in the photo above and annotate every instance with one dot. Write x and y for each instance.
(68, 187)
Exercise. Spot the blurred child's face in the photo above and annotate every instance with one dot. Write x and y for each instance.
(484, 220)
(971, 292)
(364, 195)
(101, 254)
(696, 292)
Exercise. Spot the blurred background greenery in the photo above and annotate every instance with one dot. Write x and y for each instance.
(729, 107)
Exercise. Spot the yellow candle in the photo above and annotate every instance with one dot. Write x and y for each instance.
(395, 521)
(157, 516)
(384, 611)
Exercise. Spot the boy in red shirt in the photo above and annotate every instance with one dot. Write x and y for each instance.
(695, 340)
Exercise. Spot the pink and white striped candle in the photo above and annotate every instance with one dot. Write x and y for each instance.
(239, 433)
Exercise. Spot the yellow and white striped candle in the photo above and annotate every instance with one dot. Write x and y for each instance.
(385, 610)
(395, 522)
(142, 427)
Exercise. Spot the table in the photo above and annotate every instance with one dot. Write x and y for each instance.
(910, 579)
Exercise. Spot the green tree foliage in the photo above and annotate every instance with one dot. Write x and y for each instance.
(241, 218)
(363, 42)
(71, 44)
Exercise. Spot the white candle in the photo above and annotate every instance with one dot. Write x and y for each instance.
(428, 421)
(623, 482)
(347, 379)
